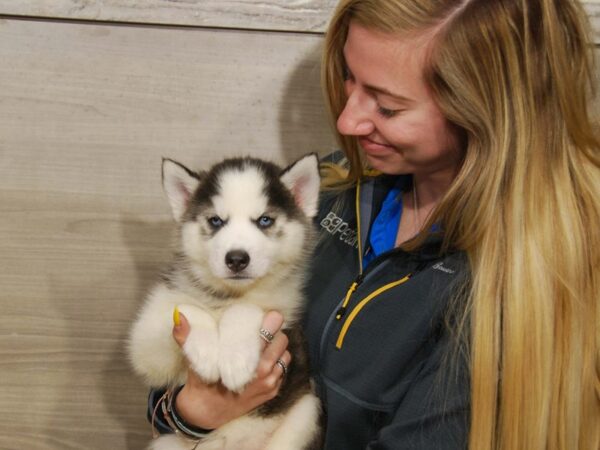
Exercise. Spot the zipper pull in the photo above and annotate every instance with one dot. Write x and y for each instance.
(342, 310)
(340, 313)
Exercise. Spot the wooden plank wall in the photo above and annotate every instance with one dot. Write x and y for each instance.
(87, 110)
(296, 15)
(93, 94)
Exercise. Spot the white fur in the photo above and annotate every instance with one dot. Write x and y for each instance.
(152, 350)
(202, 345)
(242, 202)
(224, 343)
(298, 426)
(242, 185)
(178, 186)
(304, 185)
(240, 345)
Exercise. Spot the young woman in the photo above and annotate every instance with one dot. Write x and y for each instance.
(455, 289)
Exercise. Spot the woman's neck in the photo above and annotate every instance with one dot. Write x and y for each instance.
(418, 203)
(430, 189)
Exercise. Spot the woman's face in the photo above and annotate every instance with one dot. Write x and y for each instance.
(390, 109)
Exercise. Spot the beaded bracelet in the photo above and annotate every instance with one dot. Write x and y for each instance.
(176, 423)
(190, 430)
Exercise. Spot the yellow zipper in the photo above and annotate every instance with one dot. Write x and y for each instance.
(340, 312)
(357, 208)
(361, 305)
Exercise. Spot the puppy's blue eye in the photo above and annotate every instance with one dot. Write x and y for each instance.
(215, 222)
(265, 221)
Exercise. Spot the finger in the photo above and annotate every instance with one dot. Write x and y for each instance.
(276, 349)
(273, 385)
(272, 322)
(271, 354)
(269, 390)
(181, 327)
(282, 365)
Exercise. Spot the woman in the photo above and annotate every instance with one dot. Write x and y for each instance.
(463, 307)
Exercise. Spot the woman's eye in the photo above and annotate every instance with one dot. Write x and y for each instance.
(265, 221)
(387, 112)
(215, 222)
(346, 75)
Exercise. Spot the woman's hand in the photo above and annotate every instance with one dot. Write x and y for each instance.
(211, 405)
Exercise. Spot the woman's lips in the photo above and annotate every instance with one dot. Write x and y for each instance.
(372, 147)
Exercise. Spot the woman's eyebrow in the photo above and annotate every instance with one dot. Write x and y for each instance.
(377, 89)
(384, 91)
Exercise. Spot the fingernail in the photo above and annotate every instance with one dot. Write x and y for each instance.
(176, 318)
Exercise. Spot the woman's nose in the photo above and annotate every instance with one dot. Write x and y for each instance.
(355, 118)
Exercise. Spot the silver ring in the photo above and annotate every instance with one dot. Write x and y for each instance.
(281, 364)
(266, 335)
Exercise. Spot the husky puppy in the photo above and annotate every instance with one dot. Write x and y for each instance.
(245, 237)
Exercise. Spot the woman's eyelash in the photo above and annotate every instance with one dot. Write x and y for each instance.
(384, 112)
(346, 75)
(387, 112)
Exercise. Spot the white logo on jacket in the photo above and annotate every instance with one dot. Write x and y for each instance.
(336, 225)
(440, 266)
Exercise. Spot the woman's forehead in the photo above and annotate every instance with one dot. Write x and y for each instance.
(388, 62)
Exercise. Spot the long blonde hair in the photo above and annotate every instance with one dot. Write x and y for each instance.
(515, 76)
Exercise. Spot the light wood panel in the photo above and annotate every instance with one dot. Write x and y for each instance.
(86, 113)
(593, 10)
(288, 15)
(296, 15)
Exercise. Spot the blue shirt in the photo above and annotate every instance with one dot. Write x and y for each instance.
(385, 227)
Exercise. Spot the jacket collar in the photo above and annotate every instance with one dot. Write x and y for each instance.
(371, 193)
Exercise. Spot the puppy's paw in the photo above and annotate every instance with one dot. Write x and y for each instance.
(201, 347)
(237, 368)
(202, 352)
(240, 345)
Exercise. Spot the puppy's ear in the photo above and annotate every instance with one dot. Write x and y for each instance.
(303, 179)
(179, 183)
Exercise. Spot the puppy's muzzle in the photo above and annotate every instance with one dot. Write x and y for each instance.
(237, 260)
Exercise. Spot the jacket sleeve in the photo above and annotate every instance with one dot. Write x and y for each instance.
(434, 413)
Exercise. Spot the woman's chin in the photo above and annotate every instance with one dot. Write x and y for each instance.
(389, 165)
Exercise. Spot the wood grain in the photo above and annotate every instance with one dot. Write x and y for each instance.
(592, 8)
(297, 15)
(86, 114)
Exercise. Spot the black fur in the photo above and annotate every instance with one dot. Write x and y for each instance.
(278, 195)
(296, 383)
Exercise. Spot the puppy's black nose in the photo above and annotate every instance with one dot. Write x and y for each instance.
(237, 260)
